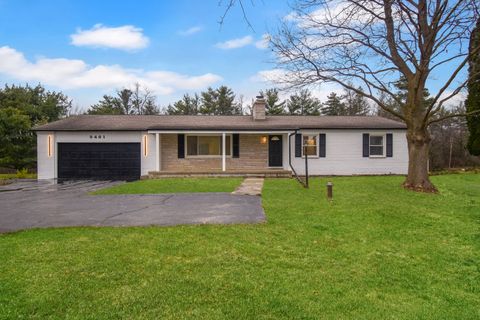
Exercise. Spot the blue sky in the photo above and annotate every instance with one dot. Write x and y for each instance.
(90, 48)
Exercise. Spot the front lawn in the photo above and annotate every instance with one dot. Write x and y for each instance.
(174, 185)
(376, 252)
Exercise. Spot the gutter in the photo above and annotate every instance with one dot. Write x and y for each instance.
(220, 129)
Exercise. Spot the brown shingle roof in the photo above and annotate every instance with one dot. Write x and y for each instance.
(164, 122)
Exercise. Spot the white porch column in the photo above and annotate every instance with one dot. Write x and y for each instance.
(223, 152)
(157, 152)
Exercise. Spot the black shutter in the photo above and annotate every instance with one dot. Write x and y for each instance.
(298, 145)
(366, 145)
(181, 146)
(322, 144)
(236, 145)
(389, 145)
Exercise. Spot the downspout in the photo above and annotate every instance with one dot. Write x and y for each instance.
(290, 158)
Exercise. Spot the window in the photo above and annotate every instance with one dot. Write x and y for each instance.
(309, 145)
(207, 145)
(376, 146)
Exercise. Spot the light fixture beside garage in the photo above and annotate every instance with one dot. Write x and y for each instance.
(145, 145)
(49, 146)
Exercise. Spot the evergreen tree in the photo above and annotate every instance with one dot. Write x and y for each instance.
(188, 105)
(40, 105)
(274, 106)
(355, 103)
(150, 108)
(225, 102)
(333, 106)
(17, 141)
(208, 101)
(219, 102)
(303, 103)
(138, 101)
(124, 101)
(22, 108)
(400, 96)
(473, 99)
(108, 105)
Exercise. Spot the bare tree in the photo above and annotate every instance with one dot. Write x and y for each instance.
(142, 100)
(228, 5)
(373, 43)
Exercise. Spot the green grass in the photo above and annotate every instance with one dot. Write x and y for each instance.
(174, 185)
(9, 176)
(376, 252)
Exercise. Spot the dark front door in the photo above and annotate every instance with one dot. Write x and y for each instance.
(275, 151)
(99, 161)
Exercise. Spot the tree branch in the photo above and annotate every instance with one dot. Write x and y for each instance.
(453, 116)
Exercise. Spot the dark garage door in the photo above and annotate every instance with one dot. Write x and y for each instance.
(99, 161)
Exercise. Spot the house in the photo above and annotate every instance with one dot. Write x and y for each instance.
(127, 147)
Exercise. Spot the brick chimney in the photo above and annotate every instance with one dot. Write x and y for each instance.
(258, 110)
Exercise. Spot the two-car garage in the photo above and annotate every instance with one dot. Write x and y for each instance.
(101, 161)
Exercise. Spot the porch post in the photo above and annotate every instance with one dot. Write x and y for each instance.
(157, 152)
(223, 152)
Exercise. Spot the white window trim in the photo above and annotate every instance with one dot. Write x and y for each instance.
(209, 156)
(317, 146)
(384, 138)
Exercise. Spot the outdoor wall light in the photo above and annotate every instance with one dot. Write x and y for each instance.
(263, 140)
(145, 145)
(49, 145)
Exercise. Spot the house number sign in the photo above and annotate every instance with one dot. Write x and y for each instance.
(97, 136)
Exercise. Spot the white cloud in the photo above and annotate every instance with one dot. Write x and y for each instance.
(190, 31)
(264, 42)
(124, 38)
(181, 81)
(270, 77)
(235, 43)
(454, 101)
(339, 11)
(278, 78)
(75, 74)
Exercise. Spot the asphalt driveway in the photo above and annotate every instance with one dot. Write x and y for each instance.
(32, 204)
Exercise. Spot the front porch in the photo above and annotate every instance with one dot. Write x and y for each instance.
(217, 153)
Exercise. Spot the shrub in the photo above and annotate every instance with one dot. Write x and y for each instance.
(22, 174)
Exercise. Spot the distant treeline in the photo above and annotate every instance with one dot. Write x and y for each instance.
(23, 107)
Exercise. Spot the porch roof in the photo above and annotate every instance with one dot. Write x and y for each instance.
(216, 123)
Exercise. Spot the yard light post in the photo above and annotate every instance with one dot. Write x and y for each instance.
(329, 190)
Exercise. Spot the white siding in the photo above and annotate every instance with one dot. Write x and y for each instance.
(343, 152)
(45, 164)
(344, 155)
(286, 166)
(148, 162)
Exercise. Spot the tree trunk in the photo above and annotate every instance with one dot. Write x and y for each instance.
(418, 147)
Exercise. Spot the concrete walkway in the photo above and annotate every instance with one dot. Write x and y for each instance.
(250, 186)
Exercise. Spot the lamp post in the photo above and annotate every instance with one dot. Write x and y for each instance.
(329, 190)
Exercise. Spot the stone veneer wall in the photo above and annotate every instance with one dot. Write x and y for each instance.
(253, 156)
